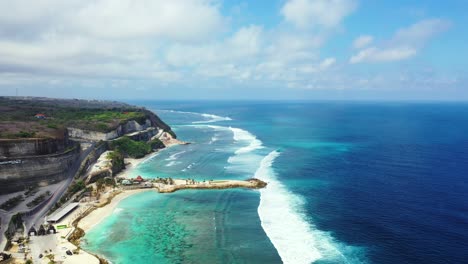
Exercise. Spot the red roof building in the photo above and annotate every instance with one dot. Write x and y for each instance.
(40, 116)
(139, 179)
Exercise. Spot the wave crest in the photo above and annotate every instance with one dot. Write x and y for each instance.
(243, 135)
(286, 226)
(209, 118)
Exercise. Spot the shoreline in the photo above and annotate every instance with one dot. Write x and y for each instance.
(100, 213)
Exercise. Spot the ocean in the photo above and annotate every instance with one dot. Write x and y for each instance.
(348, 182)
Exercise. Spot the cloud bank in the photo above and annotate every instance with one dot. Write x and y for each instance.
(190, 43)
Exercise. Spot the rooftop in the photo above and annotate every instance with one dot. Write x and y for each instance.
(62, 212)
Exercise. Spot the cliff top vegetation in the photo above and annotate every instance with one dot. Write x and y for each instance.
(27, 117)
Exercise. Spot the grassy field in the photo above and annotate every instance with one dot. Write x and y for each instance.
(17, 119)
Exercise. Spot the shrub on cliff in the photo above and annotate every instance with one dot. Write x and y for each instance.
(156, 144)
(77, 186)
(117, 161)
(131, 148)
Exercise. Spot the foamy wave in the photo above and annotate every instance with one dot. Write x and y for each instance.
(150, 157)
(171, 163)
(213, 139)
(243, 135)
(118, 210)
(175, 155)
(286, 227)
(210, 118)
(189, 166)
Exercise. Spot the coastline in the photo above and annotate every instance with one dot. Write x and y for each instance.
(100, 213)
(112, 198)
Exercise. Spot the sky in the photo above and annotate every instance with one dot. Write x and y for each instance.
(235, 50)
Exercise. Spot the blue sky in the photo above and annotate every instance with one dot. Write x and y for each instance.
(215, 49)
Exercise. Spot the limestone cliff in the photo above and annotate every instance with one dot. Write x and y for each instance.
(38, 137)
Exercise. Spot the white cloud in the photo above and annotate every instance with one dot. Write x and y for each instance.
(362, 41)
(309, 13)
(175, 19)
(385, 55)
(183, 20)
(405, 43)
(186, 43)
(327, 63)
(422, 31)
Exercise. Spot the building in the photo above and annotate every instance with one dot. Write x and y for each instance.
(139, 179)
(54, 218)
(126, 182)
(40, 116)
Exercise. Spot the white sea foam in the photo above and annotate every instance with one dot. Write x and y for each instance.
(209, 118)
(118, 210)
(171, 163)
(189, 166)
(150, 157)
(279, 211)
(175, 155)
(213, 139)
(212, 118)
(245, 136)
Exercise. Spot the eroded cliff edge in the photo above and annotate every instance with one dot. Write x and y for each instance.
(46, 140)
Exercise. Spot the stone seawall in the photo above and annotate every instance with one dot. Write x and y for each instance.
(18, 173)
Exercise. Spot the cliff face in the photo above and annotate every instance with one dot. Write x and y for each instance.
(43, 158)
(18, 173)
(31, 147)
(129, 127)
(157, 122)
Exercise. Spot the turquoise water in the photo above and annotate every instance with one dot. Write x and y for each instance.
(184, 227)
(209, 226)
(348, 182)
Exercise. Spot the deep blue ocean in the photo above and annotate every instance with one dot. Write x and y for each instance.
(349, 182)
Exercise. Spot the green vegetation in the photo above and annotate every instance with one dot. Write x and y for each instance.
(104, 182)
(24, 134)
(52, 125)
(31, 190)
(38, 199)
(12, 202)
(131, 148)
(76, 187)
(97, 120)
(21, 134)
(156, 144)
(18, 118)
(171, 133)
(117, 161)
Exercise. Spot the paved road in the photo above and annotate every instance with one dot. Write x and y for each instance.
(39, 217)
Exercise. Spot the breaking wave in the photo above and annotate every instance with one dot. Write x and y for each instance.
(212, 118)
(209, 118)
(294, 238)
(175, 155)
(245, 136)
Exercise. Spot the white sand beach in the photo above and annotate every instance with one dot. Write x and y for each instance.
(99, 214)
